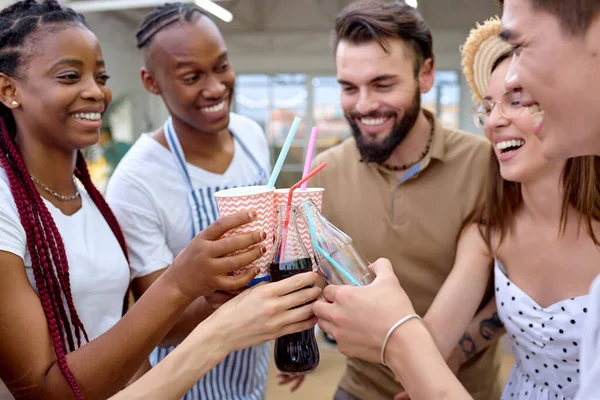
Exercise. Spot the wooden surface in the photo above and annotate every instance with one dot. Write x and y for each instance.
(322, 383)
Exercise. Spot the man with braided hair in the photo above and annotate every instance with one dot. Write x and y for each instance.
(162, 191)
(64, 266)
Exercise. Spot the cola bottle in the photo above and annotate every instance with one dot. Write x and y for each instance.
(298, 353)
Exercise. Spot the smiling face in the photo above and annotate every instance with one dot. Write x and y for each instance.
(381, 97)
(557, 72)
(188, 65)
(518, 150)
(61, 89)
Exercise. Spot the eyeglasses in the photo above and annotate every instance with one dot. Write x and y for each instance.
(509, 107)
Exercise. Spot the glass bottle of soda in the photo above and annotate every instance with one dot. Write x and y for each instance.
(336, 254)
(298, 353)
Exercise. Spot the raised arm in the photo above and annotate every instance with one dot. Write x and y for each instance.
(457, 301)
(254, 317)
(104, 365)
(359, 318)
(417, 363)
(485, 328)
(143, 226)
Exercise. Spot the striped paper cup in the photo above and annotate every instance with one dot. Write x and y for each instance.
(259, 199)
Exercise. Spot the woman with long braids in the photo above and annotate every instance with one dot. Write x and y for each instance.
(64, 272)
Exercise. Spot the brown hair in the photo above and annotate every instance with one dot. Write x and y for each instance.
(581, 190)
(575, 16)
(374, 20)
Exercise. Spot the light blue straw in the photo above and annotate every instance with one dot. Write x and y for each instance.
(283, 154)
(313, 236)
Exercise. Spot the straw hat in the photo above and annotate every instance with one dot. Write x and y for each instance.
(479, 53)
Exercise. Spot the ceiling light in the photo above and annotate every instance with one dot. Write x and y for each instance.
(117, 5)
(216, 9)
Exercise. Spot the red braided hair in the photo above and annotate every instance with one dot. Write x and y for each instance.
(48, 257)
(41, 234)
(44, 242)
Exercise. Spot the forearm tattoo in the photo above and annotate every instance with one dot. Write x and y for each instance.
(488, 327)
(467, 345)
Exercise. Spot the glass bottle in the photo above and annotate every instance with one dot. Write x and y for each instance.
(298, 353)
(336, 255)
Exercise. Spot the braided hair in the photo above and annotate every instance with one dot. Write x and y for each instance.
(18, 23)
(162, 17)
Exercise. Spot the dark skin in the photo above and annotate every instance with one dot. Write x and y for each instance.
(191, 75)
(66, 75)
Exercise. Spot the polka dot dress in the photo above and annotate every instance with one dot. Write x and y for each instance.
(546, 342)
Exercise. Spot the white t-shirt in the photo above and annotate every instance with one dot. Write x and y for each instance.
(589, 387)
(150, 197)
(99, 274)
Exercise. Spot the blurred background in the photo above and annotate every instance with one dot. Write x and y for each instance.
(281, 52)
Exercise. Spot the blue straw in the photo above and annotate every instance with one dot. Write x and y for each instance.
(313, 236)
(283, 154)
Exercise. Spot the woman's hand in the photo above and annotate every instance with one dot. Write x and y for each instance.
(206, 264)
(359, 318)
(268, 311)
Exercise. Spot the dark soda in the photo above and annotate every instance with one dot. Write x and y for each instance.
(298, 353)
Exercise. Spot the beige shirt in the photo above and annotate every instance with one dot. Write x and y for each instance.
(415, 225)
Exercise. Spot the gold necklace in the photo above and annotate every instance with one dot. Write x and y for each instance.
(55, 194)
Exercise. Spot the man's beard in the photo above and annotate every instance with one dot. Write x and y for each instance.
(379, 152)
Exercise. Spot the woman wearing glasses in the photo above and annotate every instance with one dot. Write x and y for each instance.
(539, 224)
(537, 233)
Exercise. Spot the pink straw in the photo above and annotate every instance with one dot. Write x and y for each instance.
(286, 221)
(309, 154)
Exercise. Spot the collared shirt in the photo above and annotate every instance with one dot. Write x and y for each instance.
(414, 223)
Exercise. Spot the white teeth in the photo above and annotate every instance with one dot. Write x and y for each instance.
(216, 108)
(535, 108)
(87, 116)
(509, 143)
(373, 121)
(538, 119)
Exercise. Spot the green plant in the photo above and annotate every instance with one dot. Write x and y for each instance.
(115, 106)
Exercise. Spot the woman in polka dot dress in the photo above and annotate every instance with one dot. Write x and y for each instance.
(537, 232)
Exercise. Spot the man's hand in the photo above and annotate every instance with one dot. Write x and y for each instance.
(295, 380)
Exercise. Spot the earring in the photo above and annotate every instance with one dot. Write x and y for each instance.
(15, 103)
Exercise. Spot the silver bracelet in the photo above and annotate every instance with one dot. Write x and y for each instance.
(392, 329)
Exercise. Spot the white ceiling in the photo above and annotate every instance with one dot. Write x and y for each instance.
(294, 34)
(309, 15)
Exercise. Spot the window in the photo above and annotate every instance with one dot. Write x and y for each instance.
(328, 116)
(444, 98)
(274, 100)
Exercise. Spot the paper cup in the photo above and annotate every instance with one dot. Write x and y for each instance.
(300, 195)
(259, 199)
